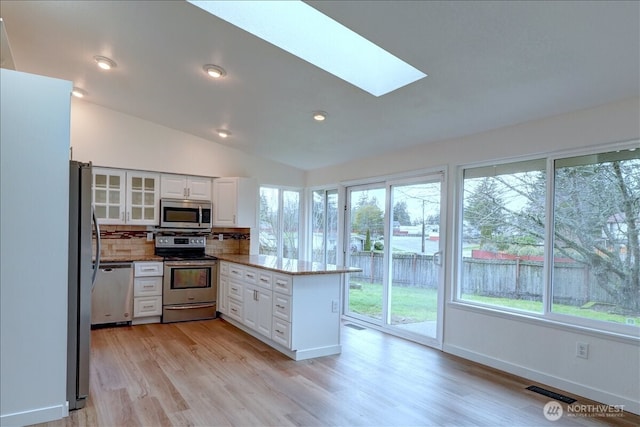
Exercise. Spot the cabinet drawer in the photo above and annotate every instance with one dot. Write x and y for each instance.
(282, 306)
(147, 306)
(250, 276)
(224, 268)
(235, 290)
(235, 310)
(264, 279)
(281, 332)
(142, 269)
(147, 286)
(236, 271)
(282, 284)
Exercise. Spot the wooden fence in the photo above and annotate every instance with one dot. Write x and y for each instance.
(573, 282)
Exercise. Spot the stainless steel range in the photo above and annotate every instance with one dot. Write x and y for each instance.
(190, 283)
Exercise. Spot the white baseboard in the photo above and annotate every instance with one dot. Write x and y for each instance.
(542, 378)
(35, 416)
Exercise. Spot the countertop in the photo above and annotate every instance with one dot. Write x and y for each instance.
(131, 258)
(286, 265)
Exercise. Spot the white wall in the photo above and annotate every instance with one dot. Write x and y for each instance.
(533, 349)
(34, 224)
(110, 138)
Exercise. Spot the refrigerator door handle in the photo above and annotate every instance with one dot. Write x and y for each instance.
(96, 265)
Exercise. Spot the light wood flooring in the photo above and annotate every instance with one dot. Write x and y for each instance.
(209, 373)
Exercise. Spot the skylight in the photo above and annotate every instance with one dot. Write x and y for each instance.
(303, 31)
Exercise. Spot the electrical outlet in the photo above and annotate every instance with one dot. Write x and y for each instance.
(149, 237)
(334, 306)
(582, 350)
(220, 237)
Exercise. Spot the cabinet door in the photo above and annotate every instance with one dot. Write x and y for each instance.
(223, 292)
(199, 188)
(234, 202)
(173, 186)
(225, 202)
(142, 198)
(258, 309)
(109, 195)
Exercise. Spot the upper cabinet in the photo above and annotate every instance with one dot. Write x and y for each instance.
(234, 202)
(126, 197)
(185, 187)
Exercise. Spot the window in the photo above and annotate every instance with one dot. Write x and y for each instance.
(555, 237)
(324, 226)
(279, 222)
(596, 253)
(503, 216)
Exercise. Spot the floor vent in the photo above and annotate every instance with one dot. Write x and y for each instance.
(352, 326)
(556, 396)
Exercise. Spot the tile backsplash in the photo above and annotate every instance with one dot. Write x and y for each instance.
(130, 242)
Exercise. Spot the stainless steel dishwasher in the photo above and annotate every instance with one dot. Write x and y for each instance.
(112, 295)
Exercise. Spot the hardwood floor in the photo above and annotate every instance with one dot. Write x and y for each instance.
(209, 373)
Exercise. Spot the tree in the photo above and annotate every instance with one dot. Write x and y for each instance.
(596, 217)
(367, 242)
(367, 216)
(401, 214)
(484, 209)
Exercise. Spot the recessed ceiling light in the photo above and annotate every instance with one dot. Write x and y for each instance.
(305, 32)
(319, 116)
(214, 71)
(78, 93)
(223, 133)
(104, 62)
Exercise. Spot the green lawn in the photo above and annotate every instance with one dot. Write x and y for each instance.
(408, 305)
(411, 305)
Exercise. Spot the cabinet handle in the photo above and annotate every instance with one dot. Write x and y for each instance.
(280, 306)
(279, 331)
(234, 310)
(147, 306)
(234, 289)
(263, 280)
(148, 286)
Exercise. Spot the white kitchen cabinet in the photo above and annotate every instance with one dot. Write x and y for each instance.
(234, 202)
(147, 292)
(185, 187)
(125, 197)
(257, 309)
(297, 314)
(143, 189)
(109, 195)
(223, 288)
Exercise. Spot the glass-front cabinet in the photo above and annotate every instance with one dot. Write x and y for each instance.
(125, 197)
(142, 198)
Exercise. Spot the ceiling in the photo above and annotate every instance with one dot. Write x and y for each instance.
(489, 65)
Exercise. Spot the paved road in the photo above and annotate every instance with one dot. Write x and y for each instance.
(413, 244)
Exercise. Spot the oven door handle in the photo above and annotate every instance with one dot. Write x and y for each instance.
(188, 306)
(209, 263)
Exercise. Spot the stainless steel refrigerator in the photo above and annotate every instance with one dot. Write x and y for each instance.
(81, 278)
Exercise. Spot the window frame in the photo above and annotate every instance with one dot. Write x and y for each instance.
(547, 316)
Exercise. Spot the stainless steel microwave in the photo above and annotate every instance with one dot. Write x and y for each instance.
(177, 213)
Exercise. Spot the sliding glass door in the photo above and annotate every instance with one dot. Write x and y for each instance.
(394, 230)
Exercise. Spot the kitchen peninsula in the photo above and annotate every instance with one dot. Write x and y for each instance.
(291, 305)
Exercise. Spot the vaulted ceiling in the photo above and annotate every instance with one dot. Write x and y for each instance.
(489, 65)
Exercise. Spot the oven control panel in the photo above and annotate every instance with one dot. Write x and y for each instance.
(181, 242)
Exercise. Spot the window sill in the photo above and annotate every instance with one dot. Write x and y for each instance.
(540, 320)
